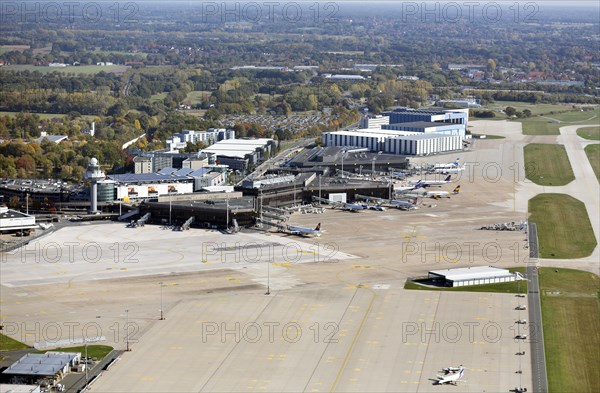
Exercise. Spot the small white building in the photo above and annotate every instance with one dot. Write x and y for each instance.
(14, 388)
(475, 275)
(12, 220)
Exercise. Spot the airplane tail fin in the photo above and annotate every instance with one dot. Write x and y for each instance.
(448, 178)
(318, 228)
(456, 190)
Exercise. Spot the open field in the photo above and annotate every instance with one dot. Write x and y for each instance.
(549, 125)
(547, 165)
(571, 320)
(593, 154)
(93, 351)
(564, 229)
(158, 97)
(104, 52)
(10, 48)
(196, 97)
(536, 109)
(84, 69)
(46, 116)
(591, 133)
(347, 53)
(10, 344)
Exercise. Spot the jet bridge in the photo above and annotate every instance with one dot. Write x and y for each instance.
(186, 224)
(142, 221)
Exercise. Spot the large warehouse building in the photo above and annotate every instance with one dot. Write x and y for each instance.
(395, 142)
(438, 115)
(409, 132)
(476, 275)
(422, 144)
(428, 127)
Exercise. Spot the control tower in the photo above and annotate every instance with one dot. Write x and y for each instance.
(94, 174)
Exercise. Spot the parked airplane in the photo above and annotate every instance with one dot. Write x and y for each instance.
(451, 369)
(448, 165)
(428, 183)
(520, 307)
(437, 194)
(446, 171)
(451, 378)
(354, 207)
(302, 231)
(406, 205)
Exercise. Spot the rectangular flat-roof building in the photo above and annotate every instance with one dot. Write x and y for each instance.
(422, 144)
(428, 127)
(438, 115)
(475, 275)
(32, 367)
(395, 141)
(239, 153)
(12, 220)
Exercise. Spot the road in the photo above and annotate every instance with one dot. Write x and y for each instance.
(536, 333)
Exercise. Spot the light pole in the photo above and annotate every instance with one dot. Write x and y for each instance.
(161, 301)
(169, 209)
(26, 203)
(127, 330)
(86, 366)
(373, 168)
(227, 215)
(268, 278)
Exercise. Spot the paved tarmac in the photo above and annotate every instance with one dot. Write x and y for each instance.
(337, 319)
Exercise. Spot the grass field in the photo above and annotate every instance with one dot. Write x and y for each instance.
(84, 69)
(571, 321)
(591, 133)
(116, 52)
(196, 97)
(347, 52)
(9, 344)
(563, 226)
(536, 109)
(550, 124)
(158, 97)
(548, 165)
(10, 48)
(593, 154)
(93, 351)
(46, 116)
